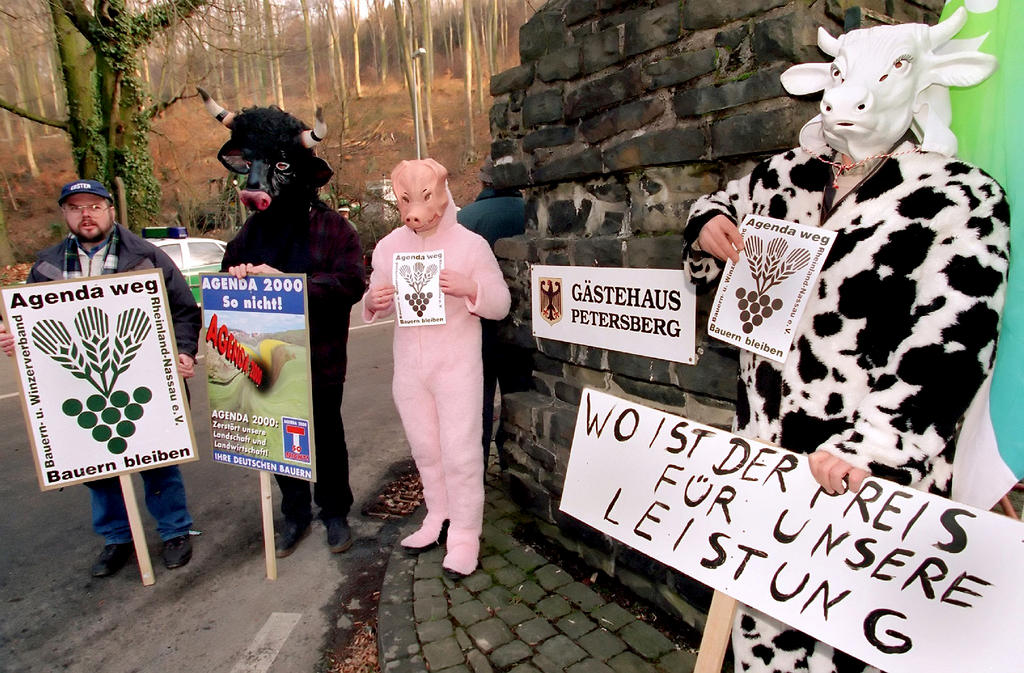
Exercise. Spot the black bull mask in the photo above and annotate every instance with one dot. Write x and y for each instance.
(274, 150)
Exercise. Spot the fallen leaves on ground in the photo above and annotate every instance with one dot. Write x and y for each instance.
(360, 655)
(14, 273)
(399, 498)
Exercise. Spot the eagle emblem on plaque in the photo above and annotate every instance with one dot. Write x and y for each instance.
(551, 299)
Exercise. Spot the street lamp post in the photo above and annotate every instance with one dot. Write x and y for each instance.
(417, 114)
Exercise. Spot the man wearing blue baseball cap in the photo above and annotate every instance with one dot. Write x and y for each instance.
(97, 245)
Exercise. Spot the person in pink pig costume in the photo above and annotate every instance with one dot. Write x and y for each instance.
(438, 383)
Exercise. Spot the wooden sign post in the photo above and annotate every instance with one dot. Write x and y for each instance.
(267, 507)
(717, 629)
(131, 505)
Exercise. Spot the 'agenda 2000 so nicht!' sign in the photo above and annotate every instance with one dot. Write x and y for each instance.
(97, 364)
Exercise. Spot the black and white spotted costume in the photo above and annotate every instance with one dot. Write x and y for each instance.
(896, 339)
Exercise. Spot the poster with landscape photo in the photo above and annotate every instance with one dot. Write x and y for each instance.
(255, 338)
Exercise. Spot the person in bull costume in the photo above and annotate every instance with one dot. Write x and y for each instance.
(292, 231)
(908, 299)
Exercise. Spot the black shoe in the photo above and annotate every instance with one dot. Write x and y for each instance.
(289, 538)
(454, 575)
(339, 536)
(111, 559)
(177, 551)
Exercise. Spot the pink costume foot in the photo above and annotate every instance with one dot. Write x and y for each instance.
(463, 551)
(428, 536)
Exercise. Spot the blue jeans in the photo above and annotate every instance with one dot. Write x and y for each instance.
(165, 499)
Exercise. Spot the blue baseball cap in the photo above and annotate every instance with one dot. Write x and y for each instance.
(84, 187)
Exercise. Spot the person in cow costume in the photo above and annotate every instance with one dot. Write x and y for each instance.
(438, 381)
(292, 231)
(900, 331)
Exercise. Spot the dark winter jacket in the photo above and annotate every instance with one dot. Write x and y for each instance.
(326, 248)
(137, 254)
(494, 214)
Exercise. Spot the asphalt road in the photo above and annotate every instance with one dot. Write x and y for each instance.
(218, 613)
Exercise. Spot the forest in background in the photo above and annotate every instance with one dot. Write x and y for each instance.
(107, 90)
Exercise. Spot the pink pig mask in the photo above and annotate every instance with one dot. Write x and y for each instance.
(421, 188)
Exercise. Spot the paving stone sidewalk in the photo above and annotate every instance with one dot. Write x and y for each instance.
(516, 613)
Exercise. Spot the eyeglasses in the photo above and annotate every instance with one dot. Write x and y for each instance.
(93, 209)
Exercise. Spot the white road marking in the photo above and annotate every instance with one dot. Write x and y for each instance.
(267, 643)
(372, 324)
(8, 396)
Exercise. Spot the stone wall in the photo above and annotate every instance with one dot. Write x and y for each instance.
(621, 113)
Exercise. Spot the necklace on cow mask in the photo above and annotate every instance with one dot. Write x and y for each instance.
(839, 168)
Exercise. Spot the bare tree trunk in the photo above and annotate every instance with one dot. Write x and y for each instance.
(478, 74)
(19, 96)
(55, 91)
(167, 66)
(32, 67)
(327, 9)
(450, 46)
(382, 42)
(483, 53)
(8, 129)
(144, 58)
(236, 65)
(353, 15)
(467, 55)
(403, 28)
(492, 64)
(273, 56)
(264, 78)
(404, 47)
(310, 60)
(6, 251)
(340, 85)
(428, 69)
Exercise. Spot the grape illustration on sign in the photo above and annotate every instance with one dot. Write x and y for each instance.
(763, 295)
(417, 277)
(100, 358)
(769, 265)
(417, 280)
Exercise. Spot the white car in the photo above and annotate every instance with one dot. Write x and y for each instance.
(192, 255)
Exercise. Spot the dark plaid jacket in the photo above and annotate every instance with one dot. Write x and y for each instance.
(326, 248)
(136, 254)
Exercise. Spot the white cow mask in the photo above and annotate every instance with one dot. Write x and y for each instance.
(884, 81)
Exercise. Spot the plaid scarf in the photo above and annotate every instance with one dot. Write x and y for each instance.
(73, 266)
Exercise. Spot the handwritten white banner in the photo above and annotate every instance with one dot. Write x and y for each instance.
(904, 580)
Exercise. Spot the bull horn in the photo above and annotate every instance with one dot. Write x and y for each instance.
(942, 33)
(827, 43)
(311, 138)
(220, 114)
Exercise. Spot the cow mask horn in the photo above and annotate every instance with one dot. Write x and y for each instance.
(311, 138)
(885, 81)
(215, 109)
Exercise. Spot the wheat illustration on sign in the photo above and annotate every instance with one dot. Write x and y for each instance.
(769, 265)
(417, 277)
(100, 358)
